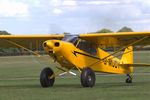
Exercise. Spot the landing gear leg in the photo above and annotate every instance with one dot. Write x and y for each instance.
(129, 79)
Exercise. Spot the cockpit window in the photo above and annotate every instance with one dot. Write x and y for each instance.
(70, 38)
(81, 44)
(87, 47)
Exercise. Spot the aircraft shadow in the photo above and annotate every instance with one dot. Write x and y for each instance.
(19, 86)
(119, 84)
(97, 85)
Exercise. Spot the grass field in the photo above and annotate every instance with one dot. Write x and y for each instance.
(19, 80)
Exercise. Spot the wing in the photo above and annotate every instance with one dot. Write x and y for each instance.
(118, 39)
(27, 41)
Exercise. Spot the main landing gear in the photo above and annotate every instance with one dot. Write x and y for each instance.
(47, 77)
(129, 79)
(87, 77)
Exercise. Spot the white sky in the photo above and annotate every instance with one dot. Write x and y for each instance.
(74, 16)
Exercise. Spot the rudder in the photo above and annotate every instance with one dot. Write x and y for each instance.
(127, 57)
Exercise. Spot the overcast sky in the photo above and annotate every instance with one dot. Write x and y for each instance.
(74, 16)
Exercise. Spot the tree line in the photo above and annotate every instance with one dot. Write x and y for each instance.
(123, 29)
(11, 51)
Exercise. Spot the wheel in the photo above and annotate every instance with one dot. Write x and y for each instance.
(87, 77)
(129, 80)
(46, 78)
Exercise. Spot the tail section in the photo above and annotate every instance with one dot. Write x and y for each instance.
(127, 57)
(113, 64)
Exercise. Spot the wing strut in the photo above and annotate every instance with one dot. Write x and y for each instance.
(125, 47)
(11, 42)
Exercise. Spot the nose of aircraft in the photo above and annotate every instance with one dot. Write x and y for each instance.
(48, 44)
(51, 46)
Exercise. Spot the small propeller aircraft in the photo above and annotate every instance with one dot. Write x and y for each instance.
(84, 53)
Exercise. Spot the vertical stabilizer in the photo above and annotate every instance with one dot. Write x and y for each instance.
(127, 57)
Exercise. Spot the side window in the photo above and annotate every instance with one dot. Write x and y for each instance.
(87, 47)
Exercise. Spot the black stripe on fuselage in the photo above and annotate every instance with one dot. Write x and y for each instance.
(76, 52)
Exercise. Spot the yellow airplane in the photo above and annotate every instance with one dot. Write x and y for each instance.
(84, 53)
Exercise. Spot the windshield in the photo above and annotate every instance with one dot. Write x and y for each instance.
(70, 38)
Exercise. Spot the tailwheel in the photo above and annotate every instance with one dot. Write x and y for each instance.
(87, 77)
(47, 77)
(129, 79)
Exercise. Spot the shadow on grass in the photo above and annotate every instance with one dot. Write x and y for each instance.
(72, 85)
(104, 85)
(119, 84)
(19, 86)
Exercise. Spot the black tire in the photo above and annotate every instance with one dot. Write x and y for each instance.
(87, 77)
(129, 80)
(45, 79)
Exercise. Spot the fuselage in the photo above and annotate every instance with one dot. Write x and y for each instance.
(73, 55)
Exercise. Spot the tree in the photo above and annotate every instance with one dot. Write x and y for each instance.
(65, 33)
(4, 33)
(104, 30)
(125, 29)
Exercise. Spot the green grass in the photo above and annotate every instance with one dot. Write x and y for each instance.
(19, 80)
